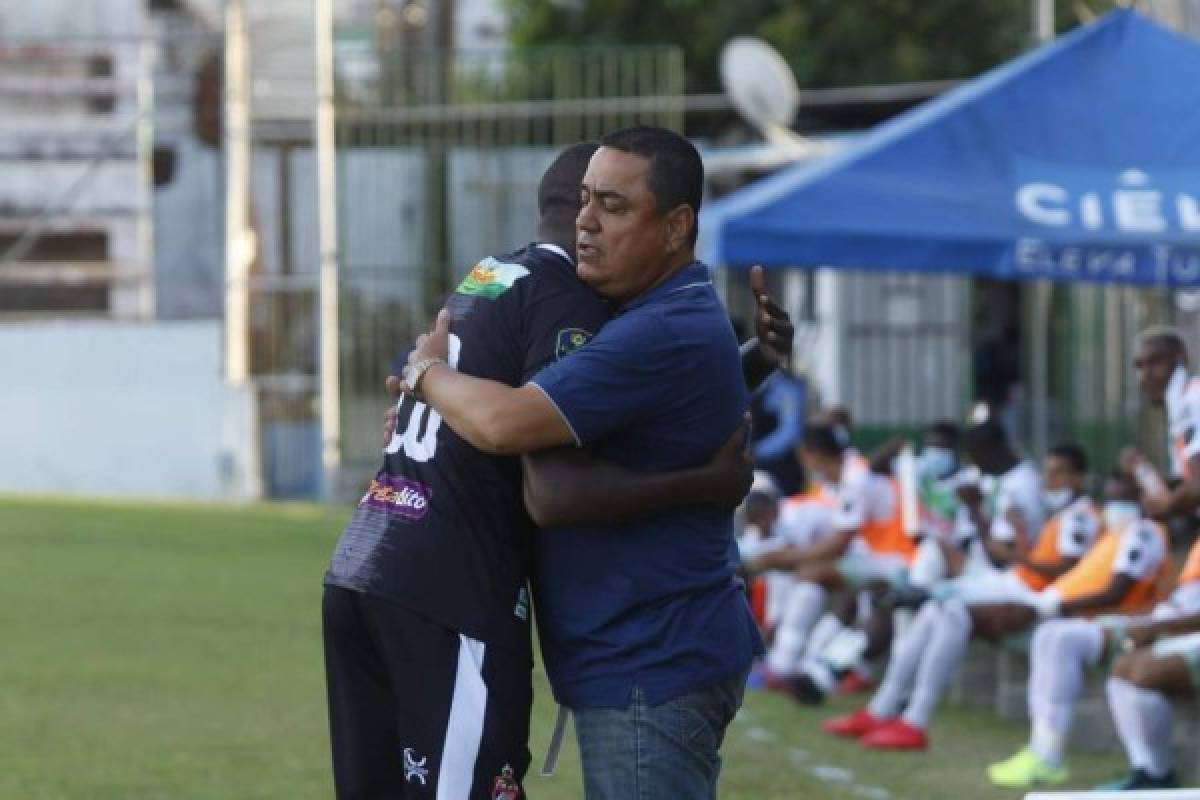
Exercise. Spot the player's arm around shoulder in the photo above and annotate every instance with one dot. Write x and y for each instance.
(489, 415)
(570, 486)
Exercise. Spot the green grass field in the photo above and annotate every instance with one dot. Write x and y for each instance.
(169, 651)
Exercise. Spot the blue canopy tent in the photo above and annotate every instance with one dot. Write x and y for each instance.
(1079, 161)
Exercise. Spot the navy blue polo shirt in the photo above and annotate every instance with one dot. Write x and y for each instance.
(654, 604)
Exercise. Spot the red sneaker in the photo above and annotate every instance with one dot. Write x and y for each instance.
(895, 734)
(860, 723)
(853, 683)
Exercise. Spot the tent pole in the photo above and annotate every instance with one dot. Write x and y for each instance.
(1042, 24)
(1040, 400)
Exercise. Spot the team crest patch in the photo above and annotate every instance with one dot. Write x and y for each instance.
(491, 278)
(570, 340)
(505, 786)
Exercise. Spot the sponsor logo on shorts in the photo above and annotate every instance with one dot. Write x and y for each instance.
(398, 496)
(415, 770)
(491, 278)
(569, 340)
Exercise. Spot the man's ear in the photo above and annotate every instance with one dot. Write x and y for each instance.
(680, 222)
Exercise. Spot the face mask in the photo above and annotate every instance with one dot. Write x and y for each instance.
(936, 462)
(1057, 499)
(1118, 514)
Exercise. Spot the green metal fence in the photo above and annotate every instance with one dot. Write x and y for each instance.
(1092, 390)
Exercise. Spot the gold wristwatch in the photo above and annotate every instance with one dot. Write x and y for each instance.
(413, 373)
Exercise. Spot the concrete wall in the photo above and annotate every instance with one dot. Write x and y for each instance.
(124, 409)
(52, 18)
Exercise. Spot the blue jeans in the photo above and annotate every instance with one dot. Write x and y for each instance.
(663, 752)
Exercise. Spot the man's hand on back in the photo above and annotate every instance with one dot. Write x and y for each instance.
(772, 325)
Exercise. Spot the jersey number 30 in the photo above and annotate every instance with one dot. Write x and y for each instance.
(418, 439)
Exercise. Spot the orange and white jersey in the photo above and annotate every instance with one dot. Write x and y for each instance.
(807, 518)
(870, 504)
(1183, 420)
(1185, 597)
(1138, 551)
(1191, 565)
(1068, 534)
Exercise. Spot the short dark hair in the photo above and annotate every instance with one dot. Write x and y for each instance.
(1167, 336)
(823, 439)
(948, 431)
(676, 175)
(1071, 453)
(840, 415)
(558, 191)
(986, 435)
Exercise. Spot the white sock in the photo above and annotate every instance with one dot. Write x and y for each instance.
(1122, 704)
(805, 603)
(826, 629)
(1048, 742)
(939, 662)
(902, 667)
(1067, 648)
(820, 673)
(1040, 663)
(902, 618)
(845, 651)
(1154, 714)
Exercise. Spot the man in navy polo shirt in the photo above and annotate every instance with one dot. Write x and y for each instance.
(645, 631)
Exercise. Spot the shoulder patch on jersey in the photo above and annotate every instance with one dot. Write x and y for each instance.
(569, 340)
(491, 278)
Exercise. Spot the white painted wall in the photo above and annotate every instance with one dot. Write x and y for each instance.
(101, 407)
(21, 19)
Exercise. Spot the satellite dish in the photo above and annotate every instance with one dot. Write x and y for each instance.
(759, 82)
(763, 90)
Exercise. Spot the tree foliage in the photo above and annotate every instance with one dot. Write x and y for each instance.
(827, 42)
